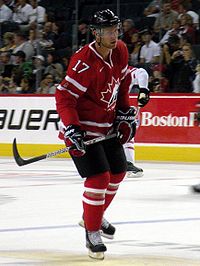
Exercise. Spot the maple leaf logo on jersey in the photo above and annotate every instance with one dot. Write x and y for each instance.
(110, 95)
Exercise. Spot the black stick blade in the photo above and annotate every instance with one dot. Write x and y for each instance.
(18, 158)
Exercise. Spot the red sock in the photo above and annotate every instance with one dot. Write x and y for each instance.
(93, 213)
(94, 200)
(112, 188)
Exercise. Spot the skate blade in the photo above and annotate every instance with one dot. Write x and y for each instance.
(96, 255)
(82, 224)
(133, 175)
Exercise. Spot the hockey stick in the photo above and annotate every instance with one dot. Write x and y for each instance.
(20, 161)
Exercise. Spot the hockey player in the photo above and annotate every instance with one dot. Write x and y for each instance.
(139, 79)
(196, 188)
(92, 101)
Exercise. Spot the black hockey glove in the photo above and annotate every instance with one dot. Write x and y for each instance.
(125, 124)
(73, 138)
(143, 97)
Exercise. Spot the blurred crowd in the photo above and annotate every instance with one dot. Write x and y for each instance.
(36, 47)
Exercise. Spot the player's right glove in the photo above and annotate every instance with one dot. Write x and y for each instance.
(73, 138)
(125, 124)
(143, 97)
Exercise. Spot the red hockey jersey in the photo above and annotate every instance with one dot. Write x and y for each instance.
(93, 89)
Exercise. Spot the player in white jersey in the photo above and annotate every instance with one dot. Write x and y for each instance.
(139, 79)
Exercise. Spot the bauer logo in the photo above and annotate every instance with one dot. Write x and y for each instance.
(170, 120)
(33, 119)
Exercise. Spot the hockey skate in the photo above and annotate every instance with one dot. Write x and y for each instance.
(196, 188)
(133, 171)
(95, 245)
(107, 229)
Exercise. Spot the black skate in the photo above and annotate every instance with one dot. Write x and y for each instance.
(107, 229)
(95, 245)
(196, 188)
(133, 171)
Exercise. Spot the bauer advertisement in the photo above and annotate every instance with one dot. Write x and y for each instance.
(167, 120)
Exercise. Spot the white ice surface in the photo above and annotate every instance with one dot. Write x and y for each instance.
(40, 207)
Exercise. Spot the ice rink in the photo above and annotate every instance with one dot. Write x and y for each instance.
(157, 216)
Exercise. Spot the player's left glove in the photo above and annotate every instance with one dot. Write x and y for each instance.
(73, 138)
(143, 97)
(125, 124)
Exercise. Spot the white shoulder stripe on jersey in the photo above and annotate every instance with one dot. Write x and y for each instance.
(93, 202)
(124, 69)
(125, 74)
(76, 84)
(95, 124)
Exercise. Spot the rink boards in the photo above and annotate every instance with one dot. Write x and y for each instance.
(167, 132)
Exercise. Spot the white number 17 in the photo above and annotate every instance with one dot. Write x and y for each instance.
(82, 66)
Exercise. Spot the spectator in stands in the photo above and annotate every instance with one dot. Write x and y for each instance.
(175, 30)
(84, 33)
(34, 40)
(10, 4)
(196, 82)
(176, 3)
(9, 42)
(38, 14)
(6, 85)
(22, 13)
(27, 85)
(135, 49)
(54, 67)
(47, 37)
(150, 51)
(158, 82)
(6, 65)
(61, 38)
(165, 19)
(38, 69)
(23, 45)
(5, 12)
(22, 70)
(153, 9)
(128, 27)
(181, 70)
(187, 27)
(47, 85)
(169, 48)
(185, 8)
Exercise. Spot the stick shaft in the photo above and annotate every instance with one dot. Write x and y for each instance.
(20, 161)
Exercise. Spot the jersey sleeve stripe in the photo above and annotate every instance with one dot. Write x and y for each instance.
(61, 88)
(76, 84)
(73, 94)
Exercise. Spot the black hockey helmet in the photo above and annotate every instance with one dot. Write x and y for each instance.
(104, 18)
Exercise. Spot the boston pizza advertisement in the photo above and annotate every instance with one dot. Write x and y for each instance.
(169, 119)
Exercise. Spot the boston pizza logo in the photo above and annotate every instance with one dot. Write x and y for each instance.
(110, 95)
